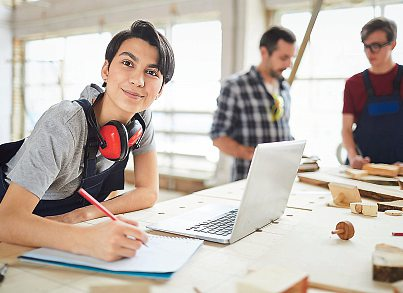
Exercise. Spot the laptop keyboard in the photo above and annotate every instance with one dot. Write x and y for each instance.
(221, 226)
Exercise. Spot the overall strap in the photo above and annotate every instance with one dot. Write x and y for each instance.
(140, 119)
(397, 81)
(92, 145)
(367, 83)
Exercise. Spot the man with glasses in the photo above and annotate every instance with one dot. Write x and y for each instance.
(373, 101)
(254, 107)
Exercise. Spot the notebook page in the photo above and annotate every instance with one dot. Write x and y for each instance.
(163, 254)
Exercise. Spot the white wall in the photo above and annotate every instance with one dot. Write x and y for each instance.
(5, 73)
(255, 26)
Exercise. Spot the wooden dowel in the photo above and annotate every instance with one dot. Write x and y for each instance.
(338, 231)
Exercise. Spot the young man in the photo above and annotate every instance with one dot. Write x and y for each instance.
(254, 107)
(373, 101)
(40, 178)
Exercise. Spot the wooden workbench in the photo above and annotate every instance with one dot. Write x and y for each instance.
(300, 240)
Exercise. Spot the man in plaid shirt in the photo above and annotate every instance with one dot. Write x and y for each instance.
(254, 107)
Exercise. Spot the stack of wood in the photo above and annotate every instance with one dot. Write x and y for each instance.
(308, 164)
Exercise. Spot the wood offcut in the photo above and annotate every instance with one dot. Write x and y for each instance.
(387, 261)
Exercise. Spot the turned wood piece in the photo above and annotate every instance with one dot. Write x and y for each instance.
(344, 229)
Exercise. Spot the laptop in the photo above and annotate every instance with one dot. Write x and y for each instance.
(268, 186)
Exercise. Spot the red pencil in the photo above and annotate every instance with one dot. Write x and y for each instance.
(397, 233)
(96, 203)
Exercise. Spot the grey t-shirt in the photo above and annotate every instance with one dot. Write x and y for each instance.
(51, 160)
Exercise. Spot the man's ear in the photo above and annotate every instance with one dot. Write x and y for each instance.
(264, 53)
(393, 44)
(105, 70)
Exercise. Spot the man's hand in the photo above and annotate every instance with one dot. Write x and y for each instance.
(112, 240)
(358, 161)
(246, 152)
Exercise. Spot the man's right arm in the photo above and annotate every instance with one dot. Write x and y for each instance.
(225, 120)
(233, 148)
(19, 226)
(356, 160)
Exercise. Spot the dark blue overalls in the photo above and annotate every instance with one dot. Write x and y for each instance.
(379, 132)
(98, 185)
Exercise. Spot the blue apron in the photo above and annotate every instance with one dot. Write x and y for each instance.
(98, 185)
(379, 131)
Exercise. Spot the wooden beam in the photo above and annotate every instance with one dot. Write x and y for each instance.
(315, 12)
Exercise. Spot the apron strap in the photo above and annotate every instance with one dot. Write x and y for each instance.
(8, 150)
(397, 81)
(92, 145)
(367, 83)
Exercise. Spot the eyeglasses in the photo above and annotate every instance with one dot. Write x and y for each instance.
(375, 47)
(277, 110)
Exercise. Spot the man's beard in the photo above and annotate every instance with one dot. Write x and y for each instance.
(276, 74)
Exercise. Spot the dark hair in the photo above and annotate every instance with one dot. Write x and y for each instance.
(144, 30)
(380, 24)
(273, 35)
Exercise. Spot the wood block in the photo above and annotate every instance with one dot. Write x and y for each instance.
(356, 173)
(387, 263)
(367, 209)
(382, 169)
(393, 213)
(390, 205)
(274, 280)
(344, 194)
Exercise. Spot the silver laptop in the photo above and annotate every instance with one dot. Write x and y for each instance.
(268, 186)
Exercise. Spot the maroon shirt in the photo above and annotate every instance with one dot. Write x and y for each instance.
(355, 94)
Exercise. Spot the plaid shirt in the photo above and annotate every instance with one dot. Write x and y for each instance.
(243, 114)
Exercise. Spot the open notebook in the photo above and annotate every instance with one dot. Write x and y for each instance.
(162, 257)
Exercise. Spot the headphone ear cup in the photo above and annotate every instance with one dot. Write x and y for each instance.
(115, 135)
(134, 132)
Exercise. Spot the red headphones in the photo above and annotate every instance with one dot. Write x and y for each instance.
(116, 139)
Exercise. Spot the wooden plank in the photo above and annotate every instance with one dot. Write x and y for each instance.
(360, 175)
(330, 261)
(274, 280)
(390, 205)
(380, 193)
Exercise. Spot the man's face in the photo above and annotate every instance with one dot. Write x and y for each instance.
(133, 79)
(280, 59)
(378, 49)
